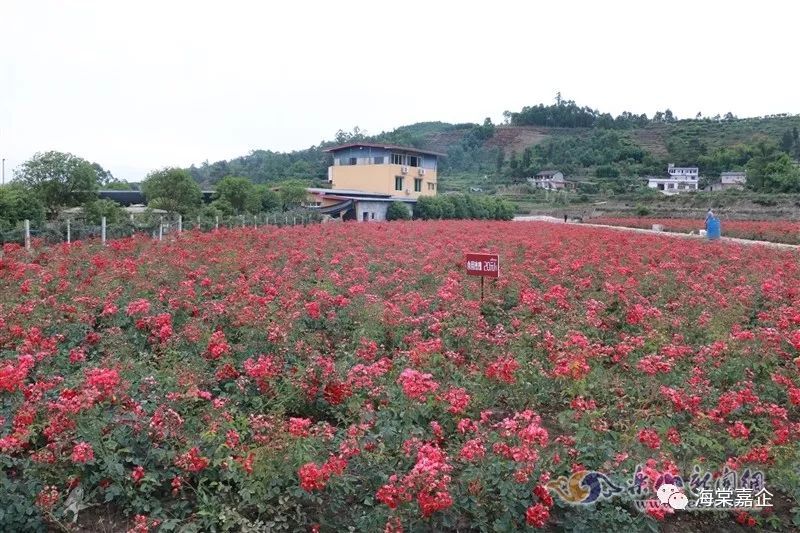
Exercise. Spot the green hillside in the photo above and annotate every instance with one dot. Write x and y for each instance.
(599, 150)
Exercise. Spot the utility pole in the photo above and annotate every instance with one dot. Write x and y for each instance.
(4, 171)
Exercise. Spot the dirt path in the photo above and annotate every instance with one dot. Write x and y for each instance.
(553, 220)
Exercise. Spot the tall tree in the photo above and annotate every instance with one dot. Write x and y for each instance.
(527, 158)
(104, 177)
(292, 195)
(767, 167)
(59, 180)
(269, 200)
(344, 137)
(796, 138)
(787, 141)
(173, 190)
(239, 193)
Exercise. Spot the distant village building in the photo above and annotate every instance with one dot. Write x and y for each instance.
(728, 181)
(733, 178)
(366, 177)
(549, 179)
(680, 179)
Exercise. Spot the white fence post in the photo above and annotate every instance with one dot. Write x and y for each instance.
(216, 223)
(69, 234)
(180, 223)
(161, 228)
(27, 234)
(103, 230)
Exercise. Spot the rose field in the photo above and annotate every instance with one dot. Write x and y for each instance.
(782, 231)
(347, 377)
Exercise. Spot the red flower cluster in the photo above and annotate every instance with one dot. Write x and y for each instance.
(428, 481)
(417, 385)
(503, 369)
(217, 345)
(650, 438)
(537, 515)
(82, 452)
(192, 461)
(313, 477)
(138, 474)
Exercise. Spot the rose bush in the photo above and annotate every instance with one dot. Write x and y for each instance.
(342, 376)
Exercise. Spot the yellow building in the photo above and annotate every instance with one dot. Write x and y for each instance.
(366, 177)
(384, 169)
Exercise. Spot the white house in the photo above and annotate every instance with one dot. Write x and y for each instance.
(733, 179)
(680, 179)
(729, 180)
(548, 179)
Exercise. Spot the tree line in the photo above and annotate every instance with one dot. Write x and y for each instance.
(568, 114)
(463, 206)
(50, 182)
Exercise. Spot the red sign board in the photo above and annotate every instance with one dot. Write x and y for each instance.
(487, 265)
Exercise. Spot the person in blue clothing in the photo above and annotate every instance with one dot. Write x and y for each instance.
(709, 216)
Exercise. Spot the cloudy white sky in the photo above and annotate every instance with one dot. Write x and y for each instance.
(140, 85)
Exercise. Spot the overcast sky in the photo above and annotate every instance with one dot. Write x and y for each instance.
(141, 85)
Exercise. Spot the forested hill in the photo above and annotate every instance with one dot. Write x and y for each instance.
(582, 142)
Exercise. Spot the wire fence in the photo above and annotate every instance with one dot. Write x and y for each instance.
(157, 227)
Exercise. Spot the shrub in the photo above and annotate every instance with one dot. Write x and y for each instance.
(18, 204)
(95, 210)
(398, 211)
(428, 208)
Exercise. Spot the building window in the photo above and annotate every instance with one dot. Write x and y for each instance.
(398, 183)
(377, 160)
(398, 159)
(353, 160)
(413, 161)
(372, 215)
(417, 184)
(431, 186)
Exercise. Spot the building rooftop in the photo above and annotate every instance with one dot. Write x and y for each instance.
(546, 173)
(373, 199)
(383, 146)
(350, 192)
